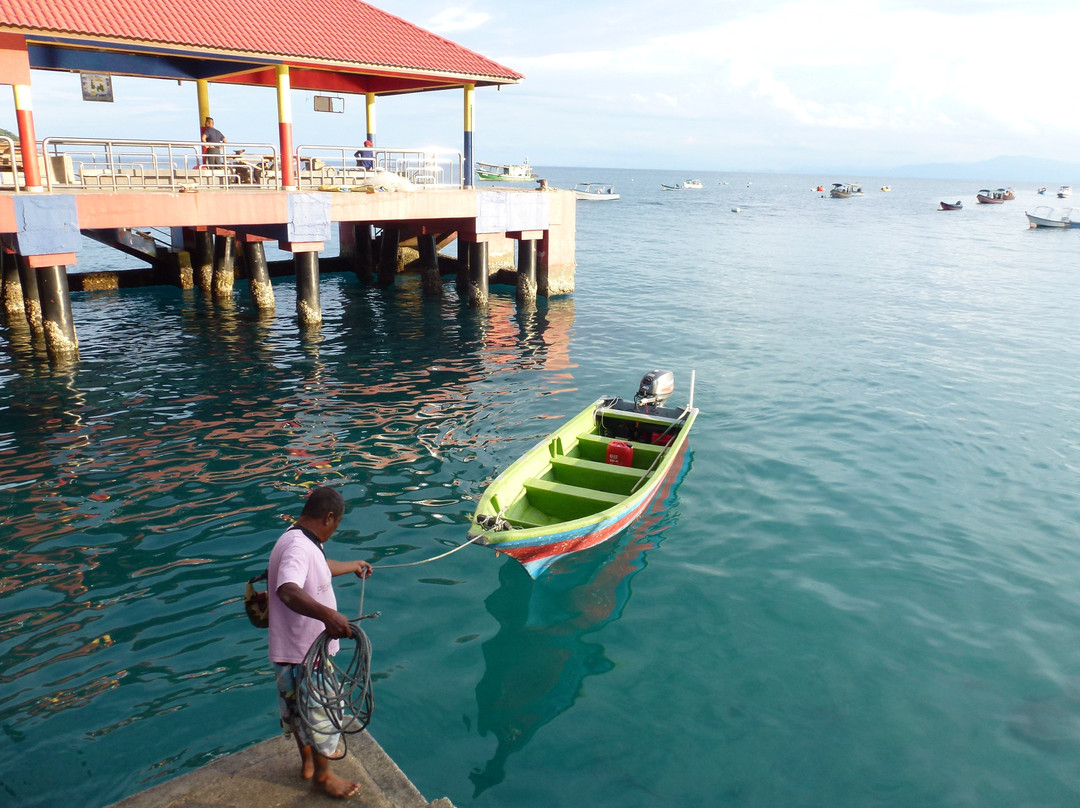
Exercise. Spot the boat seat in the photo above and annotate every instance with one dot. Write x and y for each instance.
(594, 447)
(568, 501)
(594, 474)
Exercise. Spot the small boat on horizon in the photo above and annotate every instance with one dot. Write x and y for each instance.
(588, 480)
(1041, 191)
(1064, 192)
(1047, 216)
(686, 185)
(957, 205)
(842, 191)
(595, 192)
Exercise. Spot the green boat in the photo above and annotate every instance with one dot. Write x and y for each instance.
(589, 480)
(494, 172)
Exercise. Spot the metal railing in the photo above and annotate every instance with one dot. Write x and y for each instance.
(149, 164)
(11, 177)
(395, 169)
(112, 164)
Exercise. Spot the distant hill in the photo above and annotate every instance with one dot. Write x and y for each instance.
(999, 169)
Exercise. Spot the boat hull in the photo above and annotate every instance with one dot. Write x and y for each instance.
(538, 547)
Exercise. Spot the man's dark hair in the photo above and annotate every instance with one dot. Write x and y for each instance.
(322, 501)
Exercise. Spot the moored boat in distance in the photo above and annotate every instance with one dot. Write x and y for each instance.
(588, 480)
(1007, 193)
(957, 205)
(842, 191)
(1047, 216)
(988, 197)
(1064, 192)
(687, 185)
(1041, 191)
(496, 172)
(595, 191)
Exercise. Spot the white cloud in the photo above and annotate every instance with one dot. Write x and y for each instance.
(454, 20)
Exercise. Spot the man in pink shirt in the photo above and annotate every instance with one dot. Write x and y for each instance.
(302, 605)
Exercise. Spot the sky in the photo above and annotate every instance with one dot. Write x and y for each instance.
(807, 86)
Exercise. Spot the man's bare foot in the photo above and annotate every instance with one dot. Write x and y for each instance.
(335, 786)
(307, 761)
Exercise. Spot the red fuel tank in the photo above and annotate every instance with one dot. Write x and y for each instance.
(620, 454)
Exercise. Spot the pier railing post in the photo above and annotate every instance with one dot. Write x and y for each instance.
(59, 327)
(308, 306)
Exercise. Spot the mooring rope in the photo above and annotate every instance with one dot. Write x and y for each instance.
(334, 699)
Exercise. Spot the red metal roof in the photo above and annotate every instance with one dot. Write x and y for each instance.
(340, 34)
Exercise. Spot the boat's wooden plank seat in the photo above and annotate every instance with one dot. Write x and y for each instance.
(568, 501)
(596, 475)
(594, 447)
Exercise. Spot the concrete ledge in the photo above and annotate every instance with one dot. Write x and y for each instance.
(268, 774)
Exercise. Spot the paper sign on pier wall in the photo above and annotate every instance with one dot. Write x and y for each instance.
(309, 217)
(47, 224)
(508, 211)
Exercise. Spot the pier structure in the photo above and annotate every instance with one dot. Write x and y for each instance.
(219, 203)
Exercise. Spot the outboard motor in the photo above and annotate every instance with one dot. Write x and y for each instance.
(656, 387)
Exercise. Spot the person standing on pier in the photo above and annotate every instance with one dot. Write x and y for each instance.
(302, 604)
(212, 135)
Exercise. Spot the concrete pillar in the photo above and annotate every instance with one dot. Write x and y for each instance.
(31, 300)
(308, 307)
(180, 271)
(526, 273)
(478, 275)
(461, 282)
(204, 261)
(10, 287)
(262, 291)
(388, 257)
(60, 340)
(363, 252)
(430, 278)
(224, 271)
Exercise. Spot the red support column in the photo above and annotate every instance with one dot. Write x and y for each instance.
(288, 180)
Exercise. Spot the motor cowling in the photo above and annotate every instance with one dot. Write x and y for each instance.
(656, 388)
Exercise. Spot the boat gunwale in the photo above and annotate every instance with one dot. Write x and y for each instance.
(585, 525)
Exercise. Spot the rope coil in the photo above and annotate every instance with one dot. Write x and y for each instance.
(333, 699)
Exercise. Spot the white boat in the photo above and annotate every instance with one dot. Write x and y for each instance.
(1046, 216)
(595, 191)
(1064, 192)
(495, 172)
(687, 185)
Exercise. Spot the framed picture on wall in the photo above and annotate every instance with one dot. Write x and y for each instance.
(96, 87)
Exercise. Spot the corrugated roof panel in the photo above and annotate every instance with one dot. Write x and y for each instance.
(345, 31)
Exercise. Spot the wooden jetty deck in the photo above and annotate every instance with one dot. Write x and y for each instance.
(267, 774)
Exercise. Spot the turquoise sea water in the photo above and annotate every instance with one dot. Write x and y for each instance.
(862, 592)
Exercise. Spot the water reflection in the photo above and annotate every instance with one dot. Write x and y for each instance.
(138, 485)
(536, 663)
